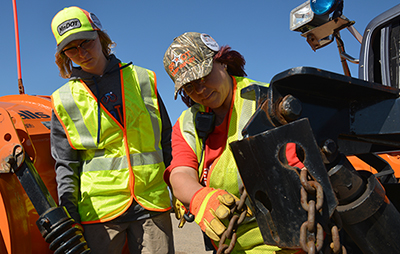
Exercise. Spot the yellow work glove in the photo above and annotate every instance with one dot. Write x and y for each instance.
(179, 210)
(210, 206)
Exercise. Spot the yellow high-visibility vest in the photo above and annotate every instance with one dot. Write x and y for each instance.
(223, 173)
(127, 162)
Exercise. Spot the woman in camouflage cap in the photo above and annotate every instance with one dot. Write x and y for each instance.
(203, 173)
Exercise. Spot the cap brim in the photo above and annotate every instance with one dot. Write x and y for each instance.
(85, 35)
(206, 67)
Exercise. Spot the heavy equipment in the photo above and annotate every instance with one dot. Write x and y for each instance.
(28, 195)
(347, 134)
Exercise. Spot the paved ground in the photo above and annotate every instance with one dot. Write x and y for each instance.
(188, 239)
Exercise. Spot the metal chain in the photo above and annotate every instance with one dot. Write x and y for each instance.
(238, 211)
(313, 241)
(336, 247)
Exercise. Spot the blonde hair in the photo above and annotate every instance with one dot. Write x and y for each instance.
(65, 64)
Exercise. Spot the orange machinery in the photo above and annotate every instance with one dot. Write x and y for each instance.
(24, 119)
(28, 193)
(393, 158)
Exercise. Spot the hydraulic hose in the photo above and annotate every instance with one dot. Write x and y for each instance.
(57, 228)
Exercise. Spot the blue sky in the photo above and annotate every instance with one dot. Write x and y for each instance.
(143, 30)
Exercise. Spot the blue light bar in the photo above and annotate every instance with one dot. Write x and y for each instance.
(321, 7)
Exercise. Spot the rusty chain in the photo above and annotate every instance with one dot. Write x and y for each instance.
(313, 243)
(336, 247)
(238, 214)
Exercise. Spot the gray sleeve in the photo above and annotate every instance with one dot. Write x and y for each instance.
(165, 132)
(67, 167)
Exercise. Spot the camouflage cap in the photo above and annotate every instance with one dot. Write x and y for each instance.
(189, 57)
(73, 23)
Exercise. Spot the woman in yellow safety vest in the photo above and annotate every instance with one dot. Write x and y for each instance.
(203, 173)
(110, 137)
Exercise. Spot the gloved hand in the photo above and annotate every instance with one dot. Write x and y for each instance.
(210, 206)
(179, 210)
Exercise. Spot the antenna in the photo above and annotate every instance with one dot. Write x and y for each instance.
(20, 85)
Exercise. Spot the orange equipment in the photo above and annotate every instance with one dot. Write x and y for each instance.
(29, 196)
(24, 119)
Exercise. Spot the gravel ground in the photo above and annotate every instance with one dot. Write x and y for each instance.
(188, 239)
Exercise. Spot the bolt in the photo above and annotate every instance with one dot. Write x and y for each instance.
(329, 147)
(290, 108)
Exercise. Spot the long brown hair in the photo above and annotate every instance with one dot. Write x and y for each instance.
(65, 64)
(235, 66)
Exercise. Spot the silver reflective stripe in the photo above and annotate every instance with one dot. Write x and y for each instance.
(140, 159)
(244, 117)
(74, 113)
(145, 88)
(247, 111)
(189, 128)
(116, 163)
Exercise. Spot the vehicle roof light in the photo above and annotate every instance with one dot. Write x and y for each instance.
(302, 18)
(322, 7)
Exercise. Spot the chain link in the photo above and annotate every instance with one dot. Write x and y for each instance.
(239, 211)
(335, 246)
(311, 233)
(313, 241)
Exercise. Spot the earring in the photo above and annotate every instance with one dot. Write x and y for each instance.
(225, 66)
